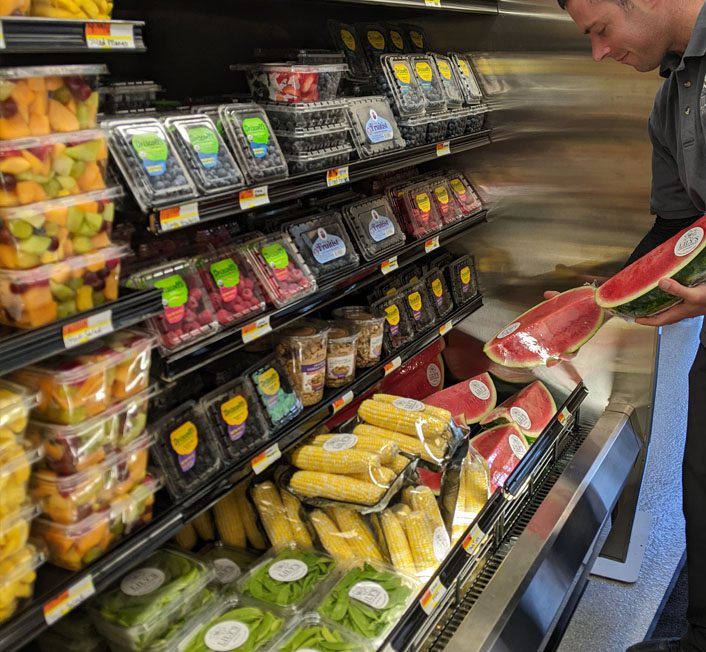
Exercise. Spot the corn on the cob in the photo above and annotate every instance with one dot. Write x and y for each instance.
(439, 413)
(398, 464)
(379, 535)
(350, 522)
(272, 515)
(413, 423)
(249, 519)
(186, 538)
(401, 511)
(477, 485)
(386, 449)
(397, 543)
(335, 487)
(426, 450)
(423, 500)
(382, 477)
(292, 508)
(330, 537)
(316, 458)
(228, 521)
(406, 496)
(459, 520)
(203, 524)
(419, 535)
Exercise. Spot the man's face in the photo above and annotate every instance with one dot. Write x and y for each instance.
(635, 36)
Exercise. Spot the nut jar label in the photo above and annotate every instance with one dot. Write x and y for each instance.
(327, 247)
(380, 227)
(226, 636)
(153, 151)
(184, 441)
(313, 376)
(235, 415)
(370, 593)
(340, 366)
(175, 294)
(258, 135)
(226, 276)
(205, 144)
(377, 129)
(375, 345)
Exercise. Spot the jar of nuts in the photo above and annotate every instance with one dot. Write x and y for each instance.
(301, 348)
(341, 354)
(371, 329)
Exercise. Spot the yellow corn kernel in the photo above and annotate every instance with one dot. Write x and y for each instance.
(386, 449)
(229, 525)
(203, 524)
(423, 500)
(439, 413)
(330, 537)
(292, 508)
(397, 543)
(399, 464)
(382, 477)
(415, 423)
(186, 538)
(316, 458)
(248, 517)
(361, 539)
(419, 535)
(477, 485)
(335, 487)
(426, 450)
(272, 515)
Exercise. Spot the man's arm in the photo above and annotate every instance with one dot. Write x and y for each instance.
(661, 231)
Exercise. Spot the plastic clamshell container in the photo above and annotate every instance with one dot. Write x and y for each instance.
(50, 231)
(48, 99)
(15, 403)
(294, 83)
(346, 40)
(324, 244)
(34, 297)
(463, 279)
(16, 460)
(17, 576)
(464, 194)
(39, 168)
(253, 141)
(188, 314)
(403, 90)
(16, 8)
(310, 629)
(149, 163)
(374, 39)
(209, 162)
(414, 130)
(449, 82)
(416, 37)
(439, 292)
(398, 40)
(280, 269)
(313, 140)
(467, 79)
(341, 352)
(283, 580)
(476, 118)
(320, 160)
(101, 10)
(14, 529)
(228, 564)
(374, 226)
(235, 418)
(429, 80)
(132, 372)
(276, 393)
(375, 129)
(418, 211)
(308, 116)
(457, 120)
(437, 127)
(150, 599)
(418, 305)
(73, 633)
(370, 333)
(398, 330)
(445, 201)
(132, 416)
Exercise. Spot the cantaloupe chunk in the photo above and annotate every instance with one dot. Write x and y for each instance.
(8, 198)
(42, 315)
(92, 178)
(100, 240)
(84, 298)
(29, 192)
(8, 256)
(54, 83)
(14, 127)
(39, 125)
(58, 150)
(35, 164)
(40, 104)
(37, 296)
(37, 84)
(14, 165)
(102, 151)
(57, 215)
(61, 118)
(111, 287)
(22, 94)
(88, 207)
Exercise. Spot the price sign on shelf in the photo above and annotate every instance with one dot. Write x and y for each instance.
(178, 217)
(62, 604)
(389, 265)
(431, 244)
(392, 365)
(337, 177)
(564, 416)
(87, 329)
(2, 37)
(446, 328)
(265, 459)
(253, 197)
(255, 330)
(431, 598)
(432, 3)
(443, 149)
(471, 544)
(341, 402)
(110, 36)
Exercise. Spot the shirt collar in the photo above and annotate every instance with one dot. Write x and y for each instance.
(696, 47)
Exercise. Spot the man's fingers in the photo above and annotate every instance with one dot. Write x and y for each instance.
(671, 316)
(678, 290)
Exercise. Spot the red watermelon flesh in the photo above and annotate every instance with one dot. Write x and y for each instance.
(531, 409)
(549, 331)
(468, 401)
(502, 447)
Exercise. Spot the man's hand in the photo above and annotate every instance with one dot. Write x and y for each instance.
(693, 304)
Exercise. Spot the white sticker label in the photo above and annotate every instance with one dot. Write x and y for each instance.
(375, 346)
(518, 446)
(689, 241)
(226, 636)
(87, 329)
(226, 570)
(109, 36)
(441, 542)
(340, 443)
(434, 374)
(2, 37)
(508, 330)
(288, 570)
(370, 593)
(479, 390)
(408, 404)
(62, 604)
(142, 581)
(520, 417)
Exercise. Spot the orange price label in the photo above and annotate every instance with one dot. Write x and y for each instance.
(431, 244)
(446, 328)
(341, 402)
(62, 604)
(265, 459)
(431, 598)
(253, 197)
(256, 329)
(110, 36)
(2, 37)
(87, 329)
(178, 217)
(443, 149)
(390, 265)
(472, 542)
(392, 365)
(563, 416)
(337, 177)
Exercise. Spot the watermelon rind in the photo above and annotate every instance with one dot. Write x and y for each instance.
(502, 413)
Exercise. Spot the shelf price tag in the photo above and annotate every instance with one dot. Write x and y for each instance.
(337, 177)
(432, 597)
(392, 365)
(341, 402)
(471, 544)
(255, 330)
(62, 604)
(179, 217)
(265, 459)
(87, 329)
(110, 36)
(443, 149)
(390, 265)
(431, 244)
(432, 3)
(564, 416)
(446, 328)
(2, 37)
(253, 197)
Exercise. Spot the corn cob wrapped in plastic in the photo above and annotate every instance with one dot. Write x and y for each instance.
(398, 464)
(186, 538)
(424, 448)
(330, 537)
(203, 524)
(226, 513)
(422, 499)
(386, 449)
(273, 516)
(313, 484)
(292, 508)
(382, 476)
(396, 542)
(473, 492)
(355, 532)
(317, 458)
(248, 518)
(421, 541)
(407, 416)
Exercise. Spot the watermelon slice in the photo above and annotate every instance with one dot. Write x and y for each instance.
(549, 331)
(469, 401)
(633, 291)
(531, 409)
(502, 447)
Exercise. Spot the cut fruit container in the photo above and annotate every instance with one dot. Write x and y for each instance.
(17, 576)
(16, 402)
(14, 529)
(96, 10)
(16, 460)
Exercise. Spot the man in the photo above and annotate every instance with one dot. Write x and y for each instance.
(670, 35)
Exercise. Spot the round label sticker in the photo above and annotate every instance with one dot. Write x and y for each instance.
(479, 390)
(437, 288)
(348, 39)
(465, 275)
(288, 570)
(689, 241)
(423, 202)
(441, 195)
(434, 374)
(142, 581)
(465, 70)
(423, 71)
(520, 417)
(392, 314)
(444, 69)
(518, 447)
(397, 39)
(402, 73)
(441, 543)
(340, 443)
(269, 382)
(235, 413)
(380, 227)
(408, 404)
(370, 593)
(376, 39)
(417, 39)
(184, 441)
(458, 187)
(227, 635)
(226, 570)
(508, 330)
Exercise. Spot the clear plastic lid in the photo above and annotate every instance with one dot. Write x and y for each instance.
(15, 403)
(439, 292)
(303, 141)
(210, 164)
(24, 72)
(449, 81)
(42, 144)
(398, 330)
(419, 213)
(150, 165)
(445, 201)
(464, 193)
(14, 569)
(418, 305)
(311, 632)
(374, 226)
(324, 244)
(466, 77)
(374, 126)
(463, 278)
(307, 115)
(253, 142)
(276, 393)
(406, 94)
(229, 564)
(430, 81)
(346, 40)
(14, 529)
(319, 160)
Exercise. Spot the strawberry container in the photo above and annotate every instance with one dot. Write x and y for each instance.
(464, 194)
(418, 211)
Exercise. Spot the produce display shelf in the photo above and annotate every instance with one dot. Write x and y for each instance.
(467, 6)
(60, 587)
(219, 206)
(19, 34)
(192, 358)
(19, 348)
